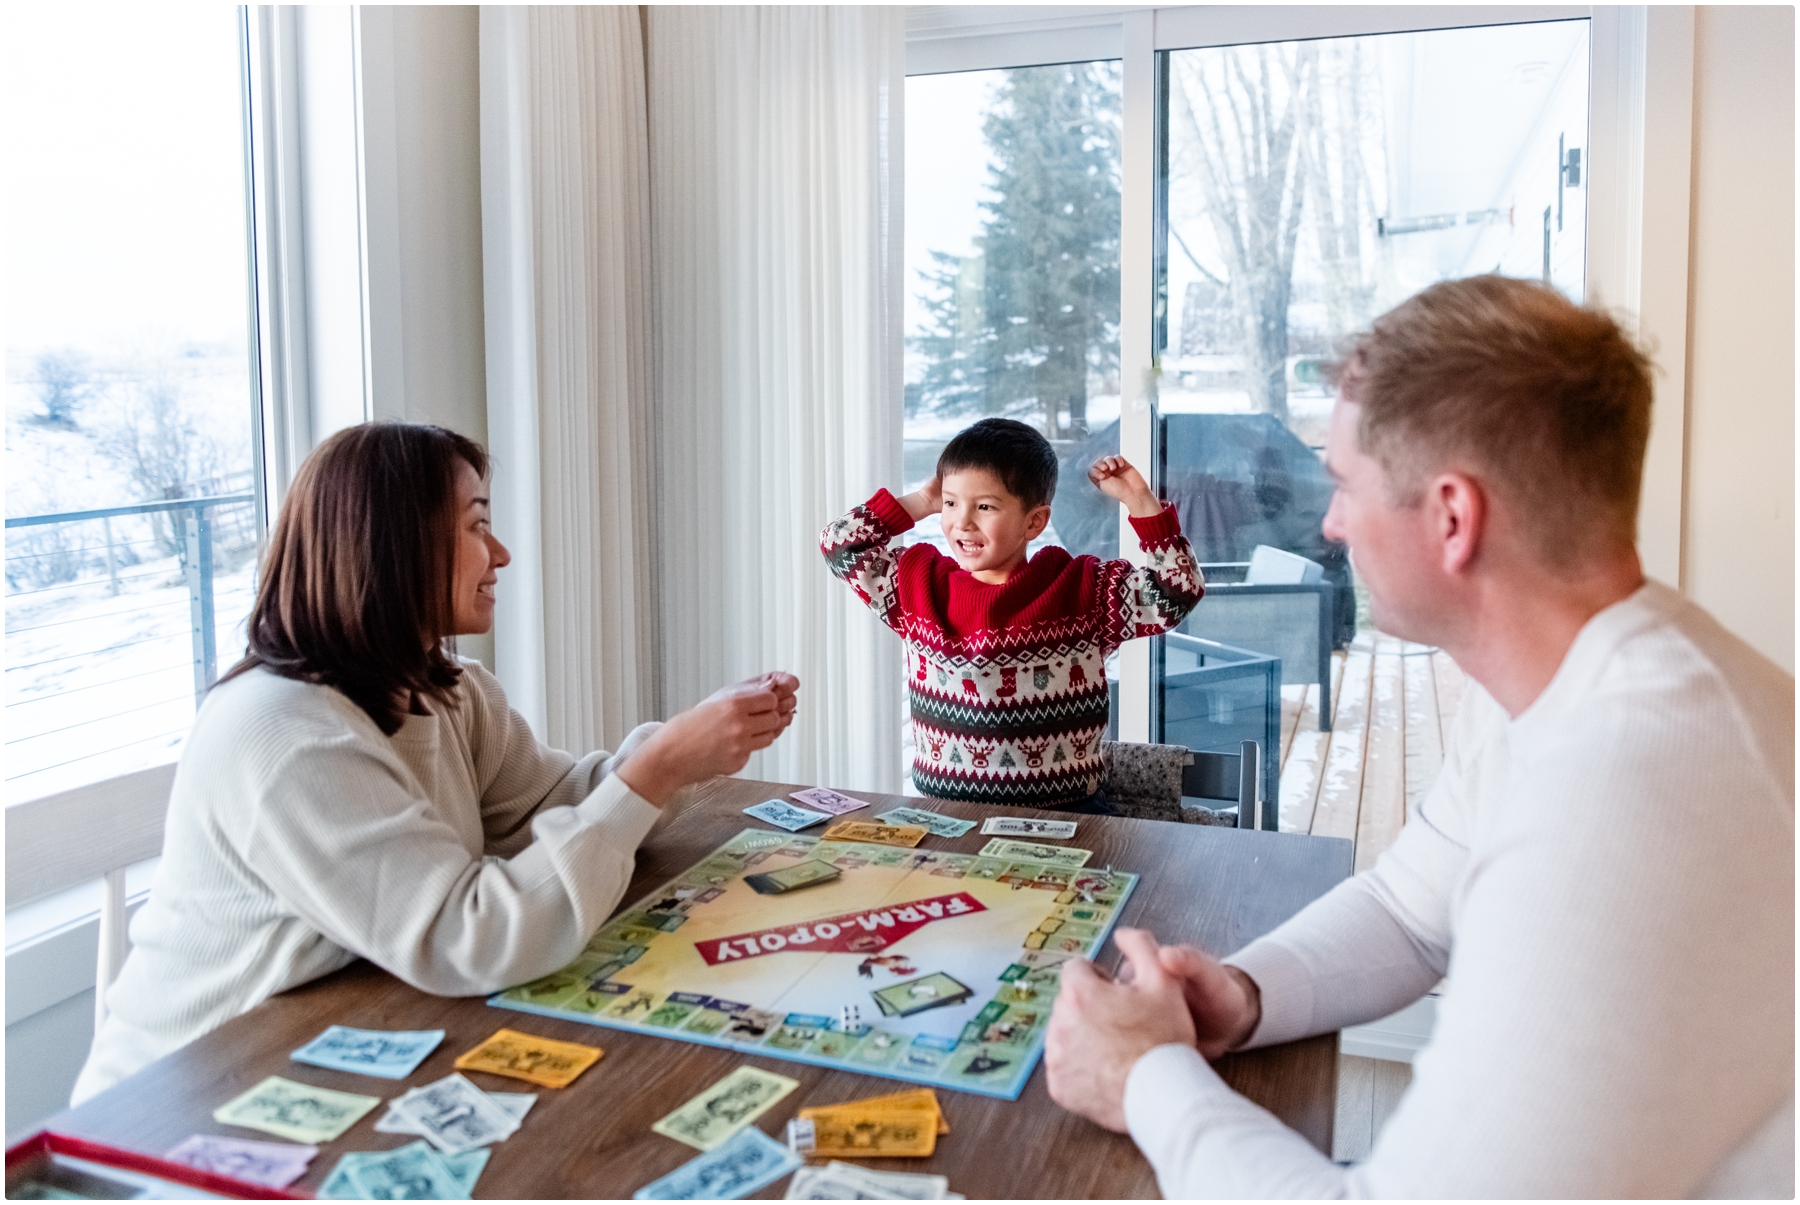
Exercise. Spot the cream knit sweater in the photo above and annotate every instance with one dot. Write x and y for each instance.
(459, 854)
(1608, 882)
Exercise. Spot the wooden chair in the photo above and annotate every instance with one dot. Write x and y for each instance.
(69, 840)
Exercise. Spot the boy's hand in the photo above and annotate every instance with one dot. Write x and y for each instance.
(925, 501)
(1114, 477)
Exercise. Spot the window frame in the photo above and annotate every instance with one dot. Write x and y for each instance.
(1639, 154)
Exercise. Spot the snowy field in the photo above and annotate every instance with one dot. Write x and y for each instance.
(99, 648)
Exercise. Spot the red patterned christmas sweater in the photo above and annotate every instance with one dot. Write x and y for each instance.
(1008, 682)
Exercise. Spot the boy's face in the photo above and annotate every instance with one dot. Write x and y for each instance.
(988, 527)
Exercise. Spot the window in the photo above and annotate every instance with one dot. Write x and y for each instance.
(1304, 188)
(132, 523)
(1012, 272)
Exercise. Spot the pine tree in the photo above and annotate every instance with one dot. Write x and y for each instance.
(1024, 323)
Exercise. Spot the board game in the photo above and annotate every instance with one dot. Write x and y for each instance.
(920, 965)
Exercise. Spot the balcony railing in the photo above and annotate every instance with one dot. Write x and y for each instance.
(94, 637)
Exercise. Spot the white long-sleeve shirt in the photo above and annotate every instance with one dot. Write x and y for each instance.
(1607, 880)
(460, 854)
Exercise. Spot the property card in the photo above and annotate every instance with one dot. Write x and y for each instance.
(369, 1051)
(734, 1102)
(536, 1060)
(934, 823)
(1061, 856)
(828, 800)
(747, 1161)
(455, 1115)
(1022, 826)
(300, 1112)
(271, 1164)
(786, 815)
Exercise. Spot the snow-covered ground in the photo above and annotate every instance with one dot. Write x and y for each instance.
(100, 677)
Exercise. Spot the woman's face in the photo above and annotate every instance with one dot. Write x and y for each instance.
(479, 556)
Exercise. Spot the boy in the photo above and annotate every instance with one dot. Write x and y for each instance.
(1006, 656)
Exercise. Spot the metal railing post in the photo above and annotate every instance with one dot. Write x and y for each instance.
(200, 600)
(112, 561)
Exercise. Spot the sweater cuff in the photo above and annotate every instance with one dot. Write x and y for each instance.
(1164, 1087)
(893, 516)
(1158, 528)
(620, 815)
(1287, 992)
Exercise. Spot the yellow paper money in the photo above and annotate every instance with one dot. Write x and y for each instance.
(904, 835)
(725, 1108)
(917, 1098)
(856, 1133)
(535, 1060)
(299, 1112)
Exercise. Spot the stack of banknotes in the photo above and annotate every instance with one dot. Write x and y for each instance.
(848, 1182)
(901, 1125)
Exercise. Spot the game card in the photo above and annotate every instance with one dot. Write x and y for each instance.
(792, 878)
(786, 815)
(828, 800)
(537, 1060)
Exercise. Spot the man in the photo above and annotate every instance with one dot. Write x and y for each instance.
(1604, 869)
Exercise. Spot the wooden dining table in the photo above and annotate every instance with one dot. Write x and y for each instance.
(1218, 888)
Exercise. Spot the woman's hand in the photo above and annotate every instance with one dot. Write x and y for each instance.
(1114, 477)
(716, 736)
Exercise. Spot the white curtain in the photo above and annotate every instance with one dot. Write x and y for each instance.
(775, 148)
(565, 235)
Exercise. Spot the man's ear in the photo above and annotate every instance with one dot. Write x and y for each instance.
(1036, 519)
(1459, 515)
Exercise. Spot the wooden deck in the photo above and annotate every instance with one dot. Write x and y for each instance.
(1392, 703)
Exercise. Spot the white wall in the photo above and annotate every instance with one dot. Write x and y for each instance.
(1738, 521)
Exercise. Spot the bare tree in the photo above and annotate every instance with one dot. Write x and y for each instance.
(65, 382)
(1242, 109)
(158, 444)
(1340, 124)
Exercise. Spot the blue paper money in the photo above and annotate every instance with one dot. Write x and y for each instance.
(361, 1172)
(391, 1055)
(729, 1172)
(936, 824)
(786, 815)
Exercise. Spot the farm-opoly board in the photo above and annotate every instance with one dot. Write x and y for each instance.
(933, 967)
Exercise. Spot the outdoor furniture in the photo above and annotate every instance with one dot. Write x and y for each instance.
(1215, 697)
(1277, 603)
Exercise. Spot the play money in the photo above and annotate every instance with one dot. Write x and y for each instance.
(934, 823)
(712, 1117)
(535, 1060)
(1024, 826)
(905, 836)
(746, 1162)
(828, 800)
(786, 815)
(369, 1051)
(299, 1112)
(1062, 857)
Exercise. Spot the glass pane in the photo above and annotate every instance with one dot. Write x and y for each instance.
(1308, 187)
(1012, 269)
(127, 385)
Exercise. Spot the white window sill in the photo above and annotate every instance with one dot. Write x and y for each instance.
(52, 944)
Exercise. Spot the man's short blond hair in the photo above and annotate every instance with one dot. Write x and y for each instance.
(1545, 402)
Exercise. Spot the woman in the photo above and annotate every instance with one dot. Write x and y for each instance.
(352, 790)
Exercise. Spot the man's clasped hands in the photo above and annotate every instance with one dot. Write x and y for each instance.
(1161, 995)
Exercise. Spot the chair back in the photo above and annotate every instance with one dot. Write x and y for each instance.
(1228, 779)
(1278, 567)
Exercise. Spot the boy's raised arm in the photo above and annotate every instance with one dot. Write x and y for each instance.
(857, 547)
(1150, 599)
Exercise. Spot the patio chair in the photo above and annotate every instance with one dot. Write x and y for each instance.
(1276, 603)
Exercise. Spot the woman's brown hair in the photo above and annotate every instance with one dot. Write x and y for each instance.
(357, 590)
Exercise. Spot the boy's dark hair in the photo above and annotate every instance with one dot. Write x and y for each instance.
(1014, 452)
